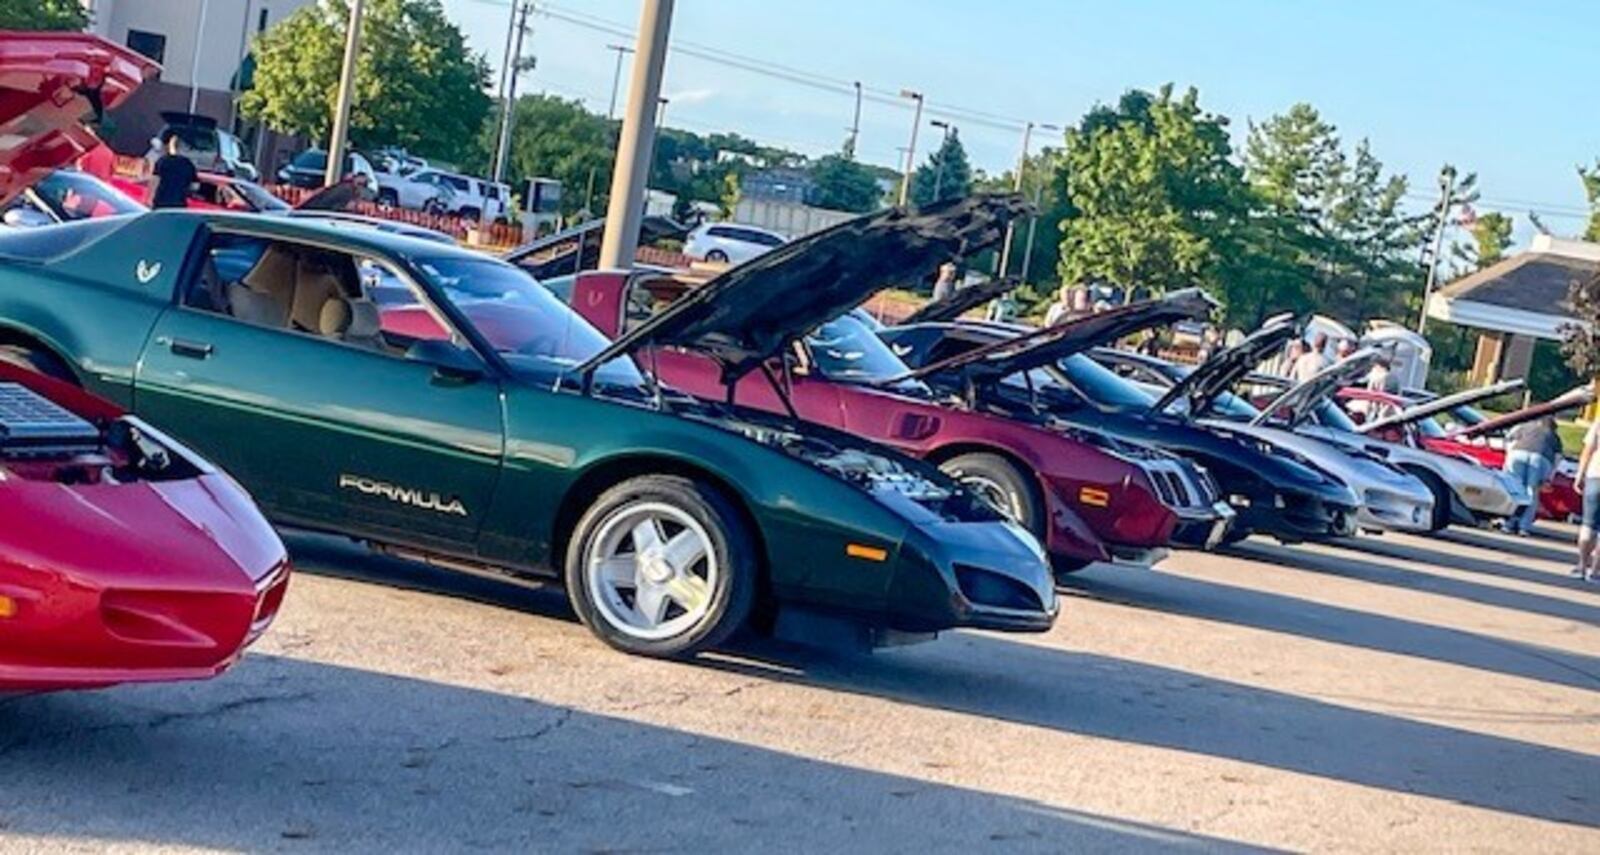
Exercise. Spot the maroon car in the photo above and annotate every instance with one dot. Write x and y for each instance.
(1087, 497)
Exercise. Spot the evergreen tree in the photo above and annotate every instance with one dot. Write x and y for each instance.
(946, 175)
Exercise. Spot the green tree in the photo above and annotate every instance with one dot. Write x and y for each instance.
(553, 138)
(43, 15)
(946, 175)
(842, 184)
(1580, 341)
(1491, 236)
(1591, 191)
(417, 85)
(1153, 195)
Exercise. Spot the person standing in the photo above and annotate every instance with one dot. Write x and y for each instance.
(1060, 308)
(1588, 483)
(1531, 451)
(945, 286)
(1311, 363)
(173, 176)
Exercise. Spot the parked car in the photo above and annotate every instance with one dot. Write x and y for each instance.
(730, 243)
(439, 191)
(309, 168)
(123, 556)
(65, 196)
(207, 146)
(1274, 490)
(509, 437)
(1087, 497)
(1465, 491)
(1391, 499)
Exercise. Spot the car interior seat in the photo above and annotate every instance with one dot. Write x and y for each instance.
(265, 295)
(355, 322)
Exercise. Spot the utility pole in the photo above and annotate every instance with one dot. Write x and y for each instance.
(508, 114)
(938, 175)
(1016, 186)
(1447, 183)
(1033, 223)
(855, 128)
(616, 78)
(506, 64)
(621, 241)
(194, 68)
(347, 80)
(911, 150)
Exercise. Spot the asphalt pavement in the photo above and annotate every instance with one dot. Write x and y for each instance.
(1388, 693)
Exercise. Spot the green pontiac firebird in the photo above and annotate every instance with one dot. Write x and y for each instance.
(442, 405)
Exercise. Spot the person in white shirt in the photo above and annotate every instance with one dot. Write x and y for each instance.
(1588, 483)
(1311, 363)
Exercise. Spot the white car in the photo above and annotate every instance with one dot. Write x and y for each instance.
(1390, 497)
(438, 191)
(729, 243)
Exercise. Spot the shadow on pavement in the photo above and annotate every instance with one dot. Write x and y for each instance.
(284, 752)
(1526, 548)
(1137, 703)
(1416, 580)
(1410, 550)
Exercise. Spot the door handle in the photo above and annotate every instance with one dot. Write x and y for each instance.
(189, 347)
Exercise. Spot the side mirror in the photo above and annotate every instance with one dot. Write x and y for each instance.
(450, 363)
(26, 217)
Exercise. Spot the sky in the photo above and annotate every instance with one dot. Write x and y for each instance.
(1509, 91)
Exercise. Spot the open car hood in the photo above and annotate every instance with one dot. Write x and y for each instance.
(1582, 396)
(48, 83)
(1296, 404)
(1440, 404)
(962, 301)
(1044, 346)
(754, 310)
(1217, 374)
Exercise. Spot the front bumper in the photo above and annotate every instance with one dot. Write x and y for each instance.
(1200, 530)
(1294, 517)
(978, 575)
(1394, 511)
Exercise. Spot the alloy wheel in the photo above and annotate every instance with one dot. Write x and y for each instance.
(651, 571)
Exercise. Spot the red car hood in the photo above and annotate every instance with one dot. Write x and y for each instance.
(48, 83)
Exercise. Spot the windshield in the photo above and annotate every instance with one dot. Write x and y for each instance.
(537, 333)
(258, 197)
(848, 350)
(1329, 414)
(74, 196)
(1102, 386)
(310, 159)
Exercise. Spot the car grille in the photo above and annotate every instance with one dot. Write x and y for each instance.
(1180, 484)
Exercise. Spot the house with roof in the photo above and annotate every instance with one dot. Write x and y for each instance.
(1516, 303)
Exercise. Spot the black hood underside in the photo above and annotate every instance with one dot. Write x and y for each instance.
(754, 310)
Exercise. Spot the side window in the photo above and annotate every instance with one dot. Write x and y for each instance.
(646, 298)
(720, 232)
(765, 239)
(291, 287)
(458, 183)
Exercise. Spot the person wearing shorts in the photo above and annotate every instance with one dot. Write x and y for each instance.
(1589, 482)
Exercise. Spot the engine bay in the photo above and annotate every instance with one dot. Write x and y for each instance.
(41, 440)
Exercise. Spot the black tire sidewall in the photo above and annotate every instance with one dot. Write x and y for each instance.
(1010, 477)
(718, 256)
(1442, 499)
(733, 594)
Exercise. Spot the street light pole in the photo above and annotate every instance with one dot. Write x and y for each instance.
(341, 114)
(623, 213)
(506, 64)
(661, 122)
(194, 67)
(1016, 186)
(1447, 182)
(911, 150)
(855, 127)
(616, 77)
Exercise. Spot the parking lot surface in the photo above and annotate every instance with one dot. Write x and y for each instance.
(1392, 693)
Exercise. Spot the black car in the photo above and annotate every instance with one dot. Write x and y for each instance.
(1273, 490)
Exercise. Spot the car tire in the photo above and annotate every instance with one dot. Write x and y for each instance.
(694, 601)
(470, 214)
(1003, 484)
(43, 362)
(718, 256)
(388, 198)
(1442, 498)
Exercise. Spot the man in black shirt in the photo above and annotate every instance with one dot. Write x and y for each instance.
(173, 174)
